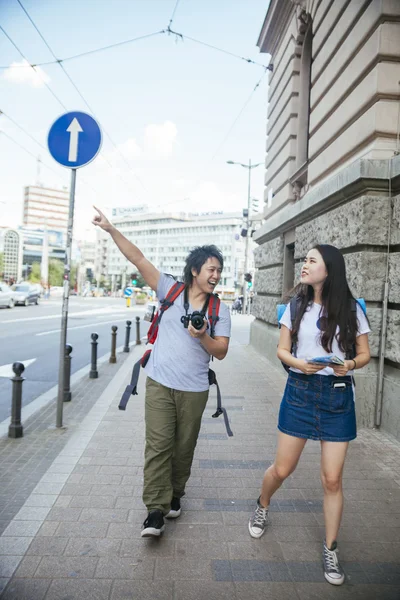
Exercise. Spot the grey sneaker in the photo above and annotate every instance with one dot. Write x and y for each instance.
(258, 521)
(332, 570)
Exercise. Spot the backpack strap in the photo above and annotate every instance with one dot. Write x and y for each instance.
(168, 301)
(213, 317)
(212, 379)
(294, 303)
(213, 312)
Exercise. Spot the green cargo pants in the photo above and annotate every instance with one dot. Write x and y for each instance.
(173, 420)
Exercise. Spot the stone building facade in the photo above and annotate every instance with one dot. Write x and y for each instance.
(333, 172)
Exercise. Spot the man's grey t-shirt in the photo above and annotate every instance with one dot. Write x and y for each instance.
(179, 361)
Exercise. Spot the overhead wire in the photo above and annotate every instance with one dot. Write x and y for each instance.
(33, 68)
(168, 31)
(173, 14)
(83, 99)
(222, 142)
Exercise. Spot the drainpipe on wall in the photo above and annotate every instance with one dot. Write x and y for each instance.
(379, 392)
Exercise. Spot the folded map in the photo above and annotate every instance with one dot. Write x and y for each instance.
(330, 359)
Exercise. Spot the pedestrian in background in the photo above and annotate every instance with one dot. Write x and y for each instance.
(177, 384)
(318, 402)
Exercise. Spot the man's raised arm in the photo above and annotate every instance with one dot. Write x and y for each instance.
(148, 271)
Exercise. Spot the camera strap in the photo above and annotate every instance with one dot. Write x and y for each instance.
(186, 302)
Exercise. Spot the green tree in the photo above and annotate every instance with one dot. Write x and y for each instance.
(56, 272)
(35, 276)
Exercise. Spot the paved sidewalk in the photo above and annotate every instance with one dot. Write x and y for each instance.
(78, 534)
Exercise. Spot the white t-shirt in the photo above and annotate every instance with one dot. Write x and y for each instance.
(309, 336)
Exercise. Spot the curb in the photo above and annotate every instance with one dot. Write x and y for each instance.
(44, 399)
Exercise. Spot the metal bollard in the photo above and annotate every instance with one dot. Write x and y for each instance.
(15, 429)
(113, 357)
(127, 335)
(67, 373)
(138, 340)
(93, 368)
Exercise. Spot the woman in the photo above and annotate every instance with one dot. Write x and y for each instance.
(318, 402)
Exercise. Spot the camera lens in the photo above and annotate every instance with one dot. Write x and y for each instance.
(197, 320)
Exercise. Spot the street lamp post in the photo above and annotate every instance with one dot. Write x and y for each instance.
(248, 225)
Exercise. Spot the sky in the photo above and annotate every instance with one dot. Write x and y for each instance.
(172, 111)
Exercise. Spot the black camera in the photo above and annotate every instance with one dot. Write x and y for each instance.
(196, 319)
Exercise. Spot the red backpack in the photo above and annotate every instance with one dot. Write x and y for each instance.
(213, 312)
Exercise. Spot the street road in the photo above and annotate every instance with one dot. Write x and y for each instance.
(33, 334)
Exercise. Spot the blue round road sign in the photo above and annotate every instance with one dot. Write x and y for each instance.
(128, 292)
(74, 139)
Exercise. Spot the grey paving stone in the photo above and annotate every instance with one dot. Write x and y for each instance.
(22, 528)
(254, 549)
(14, 546)
(48, 528)
(266, 590)
(208, 590)
(47, 546)
(41, 500)
(73, 489)
(201, 549)
(115, 567)
(112, 515)
(182, 531)
(87, 589)
(92, 547)
(78, 529)
(64, 566)
(142, 590)
(93, 502)
(110, 490)
(316, 591)
(148, 548)
(60, 513)
(26, 589)
(174, 569)
(8, 564)
(28, 566)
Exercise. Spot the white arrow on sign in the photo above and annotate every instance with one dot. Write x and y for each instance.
(74, 130)
(6, 370)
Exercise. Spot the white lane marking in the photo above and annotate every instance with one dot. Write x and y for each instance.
(94, 311)
(79, 327)
(6, 370)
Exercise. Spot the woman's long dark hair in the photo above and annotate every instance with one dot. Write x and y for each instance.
(336, 303)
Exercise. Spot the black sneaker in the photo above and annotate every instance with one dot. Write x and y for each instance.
(175, 511)
(332, 570)
(154, 524)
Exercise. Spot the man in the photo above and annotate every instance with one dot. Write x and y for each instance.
(177, 384)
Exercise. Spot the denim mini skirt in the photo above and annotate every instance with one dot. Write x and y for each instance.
(318, 407)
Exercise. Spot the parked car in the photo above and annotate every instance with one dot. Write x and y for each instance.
(38, 287)
(6, 296)
(25, 294)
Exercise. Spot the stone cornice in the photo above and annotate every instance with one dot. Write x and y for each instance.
(277, 17)
(363, 176)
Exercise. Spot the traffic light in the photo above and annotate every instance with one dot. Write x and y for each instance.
(249, 285)
(248, 277)
(134, 278)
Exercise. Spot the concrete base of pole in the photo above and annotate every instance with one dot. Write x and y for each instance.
(15, 431)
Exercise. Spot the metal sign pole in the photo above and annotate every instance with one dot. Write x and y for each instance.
(64, 320)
